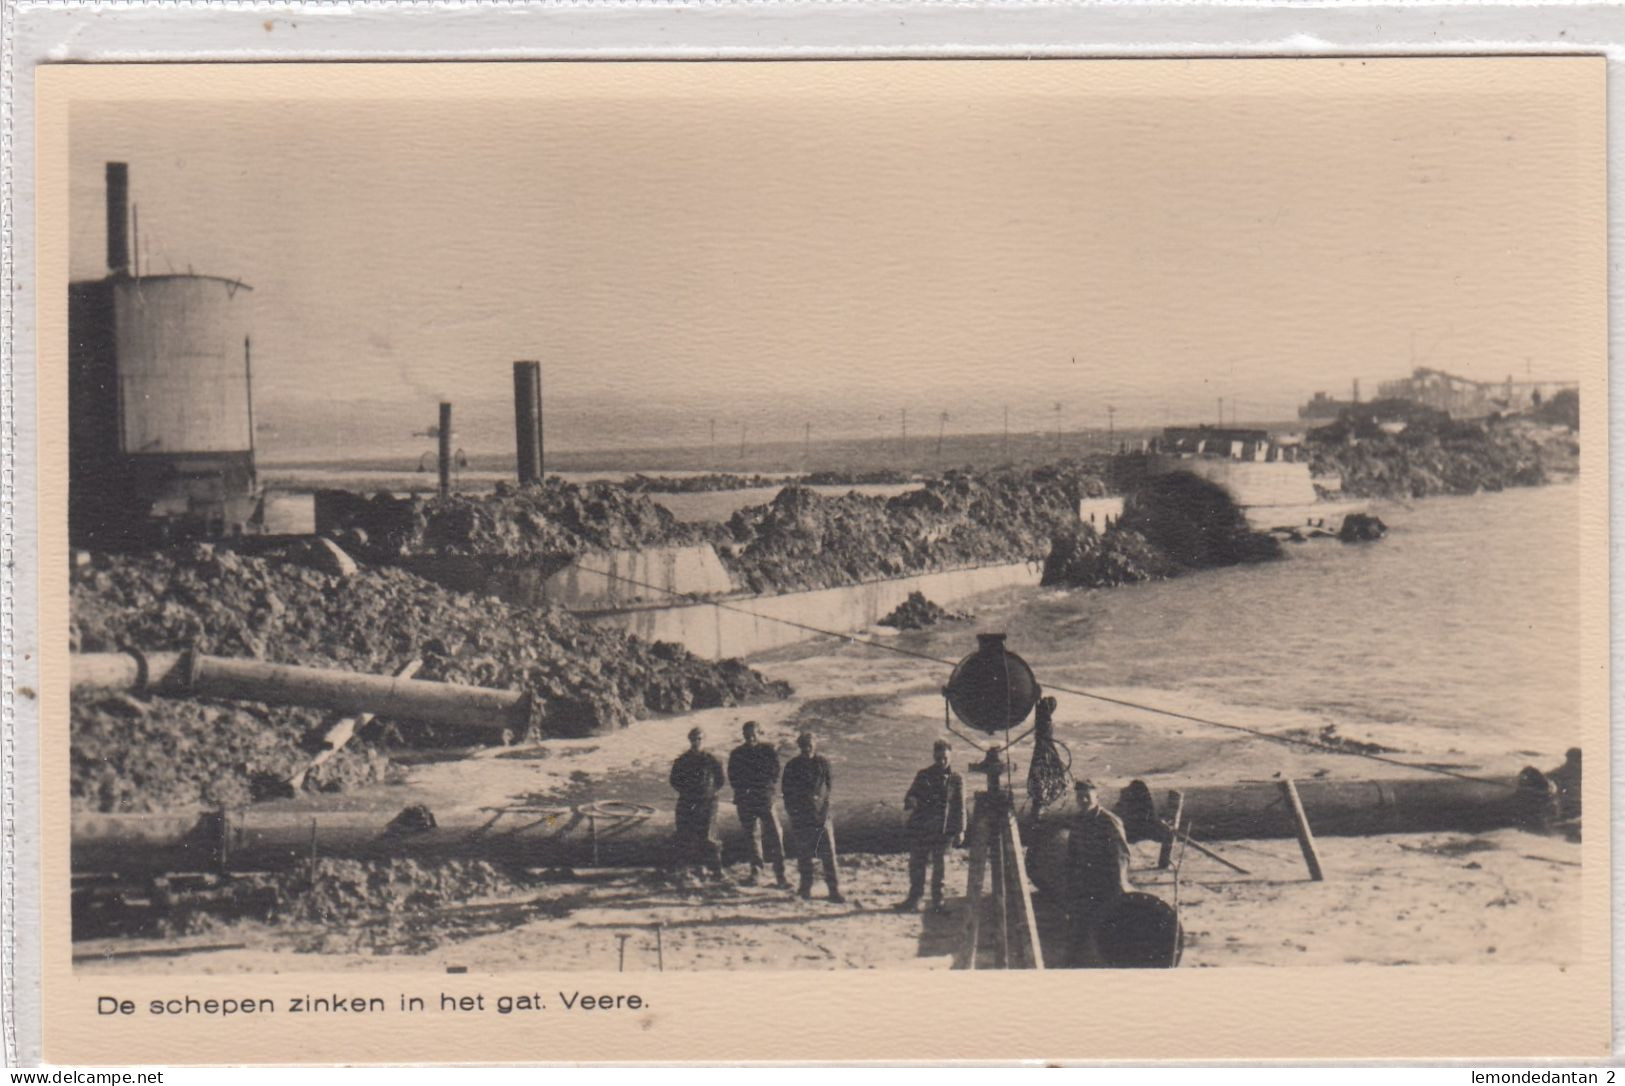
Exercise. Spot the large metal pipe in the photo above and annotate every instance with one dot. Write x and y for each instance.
(349, 692)
(1335, 808)
(527, 420)
(118, 218)
(278, 834)
(445, 449)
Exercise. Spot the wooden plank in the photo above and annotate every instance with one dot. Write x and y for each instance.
(1032, 949)
(1176, 800)
(966, 958)
(1300, 822)
(341, 732)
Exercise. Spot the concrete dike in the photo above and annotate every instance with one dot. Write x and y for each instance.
(633, 590)
(595, 580)
(743, 625)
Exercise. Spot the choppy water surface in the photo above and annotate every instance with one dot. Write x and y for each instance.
(1457, 635)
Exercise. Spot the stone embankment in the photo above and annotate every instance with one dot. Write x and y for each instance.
(718, 481)
(1434, 454)
(1173, 524)
(138, 753)
(799, 540)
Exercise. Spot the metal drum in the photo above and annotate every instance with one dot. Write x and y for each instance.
(1139, 931)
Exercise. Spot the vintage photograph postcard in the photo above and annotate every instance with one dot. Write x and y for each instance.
(824, 561)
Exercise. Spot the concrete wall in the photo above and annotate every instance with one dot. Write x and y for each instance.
(593, 581)
(742, 626)
(623, 577)
(1100, 512)
(1252, 482)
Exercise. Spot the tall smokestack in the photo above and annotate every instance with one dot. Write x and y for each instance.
(527, 420)
(445, 450)
(118, 218)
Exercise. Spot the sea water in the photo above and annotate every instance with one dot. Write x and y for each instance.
(1453, 640)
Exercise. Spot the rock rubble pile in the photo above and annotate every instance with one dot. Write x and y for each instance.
(1435, 454)
(1172, 524)
(803, 540)
(917, 612)
(136, 753)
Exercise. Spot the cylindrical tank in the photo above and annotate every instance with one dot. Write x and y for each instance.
(160, 408)
(182, 364)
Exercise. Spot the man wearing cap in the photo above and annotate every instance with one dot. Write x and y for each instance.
(806, 788)
(1096, 868)
(936, 819)
(753, 770)
(697, 777)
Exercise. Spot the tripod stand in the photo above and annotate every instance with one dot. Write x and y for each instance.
(1007, 936)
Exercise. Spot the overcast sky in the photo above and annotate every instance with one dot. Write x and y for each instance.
(857, 238)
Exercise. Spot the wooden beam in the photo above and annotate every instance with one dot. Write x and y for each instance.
(1300, 822)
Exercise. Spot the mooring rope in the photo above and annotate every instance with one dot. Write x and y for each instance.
(1258, 733)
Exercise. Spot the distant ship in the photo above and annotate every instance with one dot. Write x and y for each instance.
(1267, 475)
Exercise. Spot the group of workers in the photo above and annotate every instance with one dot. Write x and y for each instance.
(934, 806)
(753, 770)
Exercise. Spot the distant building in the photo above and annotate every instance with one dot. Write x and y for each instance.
(1229, 442)
(1322, 406)
(1464, 398)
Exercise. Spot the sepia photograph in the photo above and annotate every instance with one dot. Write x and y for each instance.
(648, 518)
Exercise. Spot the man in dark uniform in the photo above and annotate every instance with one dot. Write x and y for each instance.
(806, 789)
(936, 819)
(753, 770)
(1096, 868)
(697, 776)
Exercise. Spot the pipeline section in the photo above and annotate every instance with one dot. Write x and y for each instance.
(190, 674)
(280, 834)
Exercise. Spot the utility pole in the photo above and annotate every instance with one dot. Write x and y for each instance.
(742, 428)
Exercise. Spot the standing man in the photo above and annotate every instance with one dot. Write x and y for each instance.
(936, 819)
(1096, 869)
(697, 777)
(806, 800)
(753, 770)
